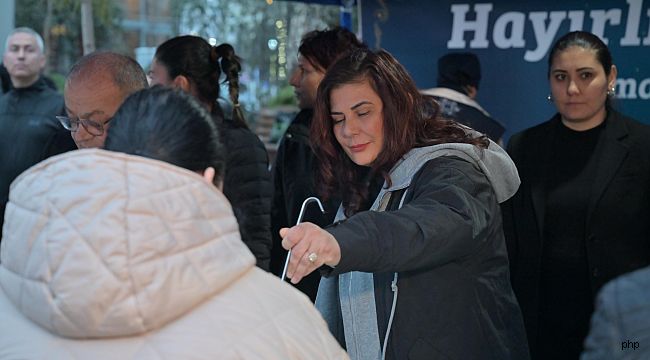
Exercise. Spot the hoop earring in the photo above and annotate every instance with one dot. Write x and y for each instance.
(549, 98)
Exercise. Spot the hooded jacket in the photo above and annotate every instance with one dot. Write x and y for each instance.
(429, 274)
(112, 256)
(458, 106)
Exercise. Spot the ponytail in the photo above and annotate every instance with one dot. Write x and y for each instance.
(224, 55)
(202, 64)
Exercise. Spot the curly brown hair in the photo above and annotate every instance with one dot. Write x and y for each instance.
(410, 120)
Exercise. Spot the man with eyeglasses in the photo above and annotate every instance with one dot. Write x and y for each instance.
(95, 88)
(29, 131)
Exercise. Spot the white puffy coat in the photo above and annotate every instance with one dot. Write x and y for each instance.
(111, 256)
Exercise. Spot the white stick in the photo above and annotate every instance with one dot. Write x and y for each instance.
(302, 211)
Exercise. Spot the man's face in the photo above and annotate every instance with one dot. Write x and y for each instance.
(305, 80)
(23, 59)
(95, 98)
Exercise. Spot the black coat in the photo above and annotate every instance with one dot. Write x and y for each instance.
(247, 185)
(617, 230)
(447, 244)
(293, 182)
(29, 132)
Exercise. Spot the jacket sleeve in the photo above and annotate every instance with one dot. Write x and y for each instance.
(507, 211)
(61, 139)
(293, 177)
(278, 211)
(247, 185)
(60, 142)
(292, 183)
(445, 217)
(604, 340)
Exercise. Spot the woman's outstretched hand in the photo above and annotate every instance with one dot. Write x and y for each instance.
(311, 247)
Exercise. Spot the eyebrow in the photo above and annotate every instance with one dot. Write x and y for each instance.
(580, 69)
(364, 102)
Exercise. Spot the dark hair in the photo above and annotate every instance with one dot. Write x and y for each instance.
(458, 70)
(202, 63)
(126, 73)
(585, 40)
(168, 125)
(322, 47)
(410, 120)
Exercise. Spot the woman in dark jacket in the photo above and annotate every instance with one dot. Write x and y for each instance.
(419, 268)
(582, 214)
(190, 63)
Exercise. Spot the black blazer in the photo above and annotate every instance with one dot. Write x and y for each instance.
(617, 228)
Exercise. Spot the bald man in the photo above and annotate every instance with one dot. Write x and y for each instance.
(94, 89)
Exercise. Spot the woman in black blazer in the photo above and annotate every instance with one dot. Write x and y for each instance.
(582, 214)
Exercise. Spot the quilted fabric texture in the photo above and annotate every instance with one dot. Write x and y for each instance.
(145, 258)
(87, 234)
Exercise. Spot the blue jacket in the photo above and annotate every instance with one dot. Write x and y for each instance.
(620, 326)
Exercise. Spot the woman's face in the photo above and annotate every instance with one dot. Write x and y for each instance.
(579, 87)
(358, 121)
(159, 74)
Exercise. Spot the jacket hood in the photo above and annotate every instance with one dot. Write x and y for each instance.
(494, 162)
(101, 244)
(456, 96)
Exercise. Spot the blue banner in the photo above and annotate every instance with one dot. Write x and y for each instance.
(512, 40)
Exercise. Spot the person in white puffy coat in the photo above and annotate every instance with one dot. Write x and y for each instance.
(109, 255)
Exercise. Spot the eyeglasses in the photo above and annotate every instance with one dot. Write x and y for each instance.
(93, 127)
